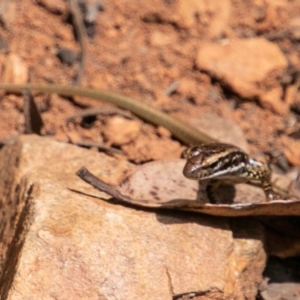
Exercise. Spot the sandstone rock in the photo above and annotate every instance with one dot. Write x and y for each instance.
(158, 39)
(282, 245)
(13, 69)
(8, 13)
(163, 132)
(273, 100)
(211, 16)
(54, 6)
(278, 291)
(121, 131)
(250, 67)
(219, 129)
(59, 243)
(145, 148)
(290, 148)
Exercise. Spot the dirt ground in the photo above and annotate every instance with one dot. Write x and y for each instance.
(148, 51)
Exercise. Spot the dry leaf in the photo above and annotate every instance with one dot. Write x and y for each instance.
(161, 185)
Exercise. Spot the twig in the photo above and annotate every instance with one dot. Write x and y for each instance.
(91, 179)
(33, 118)
(100, 111)
(81, 38)
(108, 150)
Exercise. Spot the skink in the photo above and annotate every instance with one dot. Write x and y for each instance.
(217, 162)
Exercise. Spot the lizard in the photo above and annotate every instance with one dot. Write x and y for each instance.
(206, 158)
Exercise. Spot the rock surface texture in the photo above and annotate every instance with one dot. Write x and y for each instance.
(61, 242)
(251, 73)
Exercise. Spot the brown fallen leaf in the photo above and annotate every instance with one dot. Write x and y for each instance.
(160, 185)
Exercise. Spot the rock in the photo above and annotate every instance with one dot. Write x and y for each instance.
(8, 13)
(146, 148)
(285, 279)
(121, 131)
(273, 100)
(250, 67)
(163, 132)
(278, 291)
(187, 87)
(277, 243)
(53, 6)
(60, 238)
(218, 127)
(290, 148)
(210, 16)
(294, 25)
(159, 39)
(13, 69)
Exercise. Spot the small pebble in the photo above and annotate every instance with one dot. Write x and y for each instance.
(66, 56)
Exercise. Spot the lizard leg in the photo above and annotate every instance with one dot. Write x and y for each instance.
(267, 187)
(261, 172)
(210, 191)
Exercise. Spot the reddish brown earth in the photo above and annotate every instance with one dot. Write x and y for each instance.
(143, 50)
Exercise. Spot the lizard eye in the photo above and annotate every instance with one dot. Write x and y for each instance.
(191, 152)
